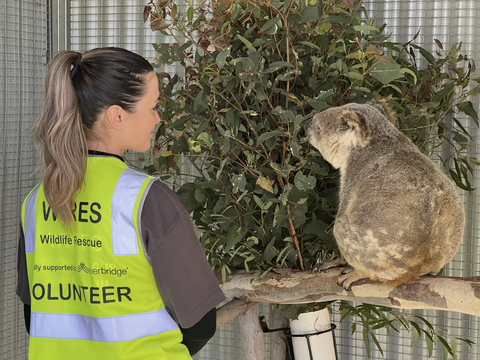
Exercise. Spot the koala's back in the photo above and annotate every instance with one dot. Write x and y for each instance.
(400, 217)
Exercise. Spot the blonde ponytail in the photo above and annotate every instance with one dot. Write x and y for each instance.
(59, 135)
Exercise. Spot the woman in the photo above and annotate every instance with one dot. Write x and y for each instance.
(109, 264)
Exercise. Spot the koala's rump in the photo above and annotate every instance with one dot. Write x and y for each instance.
(398, 213)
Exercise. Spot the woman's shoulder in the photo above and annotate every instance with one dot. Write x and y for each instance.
(160, 196)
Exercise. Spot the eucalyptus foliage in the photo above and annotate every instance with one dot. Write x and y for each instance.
(252, 73)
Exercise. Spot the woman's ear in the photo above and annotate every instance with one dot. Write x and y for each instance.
(113, 117)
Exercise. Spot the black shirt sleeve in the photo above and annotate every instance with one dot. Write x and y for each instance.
(23, 290)
(198, 335)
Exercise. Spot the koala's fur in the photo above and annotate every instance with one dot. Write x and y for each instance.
(399, 216)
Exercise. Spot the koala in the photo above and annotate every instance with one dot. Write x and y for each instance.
(399, 216)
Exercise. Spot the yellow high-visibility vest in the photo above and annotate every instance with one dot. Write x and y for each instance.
(93, 293)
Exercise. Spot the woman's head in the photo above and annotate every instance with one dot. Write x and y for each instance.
(106, 77)
(79, 91)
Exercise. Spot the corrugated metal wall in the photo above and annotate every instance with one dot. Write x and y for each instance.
(24, 48)
(24, 44)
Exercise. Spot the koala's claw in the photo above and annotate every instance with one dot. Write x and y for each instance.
(347, 270)
(340, 262)
(348, 278)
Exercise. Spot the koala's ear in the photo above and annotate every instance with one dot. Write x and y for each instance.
(357, 123)
(382, 106)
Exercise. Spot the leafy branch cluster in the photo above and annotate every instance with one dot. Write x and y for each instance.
(371, 318)
(253, 74)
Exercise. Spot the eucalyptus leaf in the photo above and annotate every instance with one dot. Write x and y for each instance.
(386, 73)
(221, 58)
(247, 43)
(304, 182)
(269, 24)
(239, 182)
(270, 134)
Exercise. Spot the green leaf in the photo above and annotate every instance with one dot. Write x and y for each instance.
(284, 170)
(365, 28)
(366, 340)
(474, 91)
(239, 182)
(442, 94)
(247, 260)
(287, 115)
(268, 135)
(276, 65)
(427, 55)
(416, 335)
(304, 182)
(429, 341)
(265, 184)
(180, 145)
(201, 195)
(299, 211)
(453, 345)
(206, 139)
(220, 169)
(430, 326)
(190, 13)
(467, 108)
(445, 344)
(374, 338)
(386, 73)
(308, 43)
(336, 19)
(321, 102)
(310, 14)
(270, 251)
(234, 236)
(317, 227)
(269, 24)
(445, 353)
(168, 54)
(295, 147)
(221, 58)
(247, 43)
(408, 71)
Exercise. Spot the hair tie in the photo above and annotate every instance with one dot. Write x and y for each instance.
(77, 62)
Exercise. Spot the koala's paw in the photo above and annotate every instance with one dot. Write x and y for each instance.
(348, 278)
(340, 262)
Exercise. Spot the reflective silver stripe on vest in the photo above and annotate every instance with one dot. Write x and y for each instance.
(30, 221)
(106, 329)
(124, 236)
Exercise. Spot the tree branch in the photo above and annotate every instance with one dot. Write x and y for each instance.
(233, 309)
(283, 286)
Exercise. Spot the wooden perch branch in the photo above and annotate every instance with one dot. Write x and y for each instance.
(297, 287)
(233, 309)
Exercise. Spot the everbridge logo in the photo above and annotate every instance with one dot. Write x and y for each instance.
(113, 271)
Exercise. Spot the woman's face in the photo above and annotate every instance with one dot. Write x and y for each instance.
(139, 124)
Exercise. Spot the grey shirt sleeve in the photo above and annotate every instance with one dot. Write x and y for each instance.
(184, 278)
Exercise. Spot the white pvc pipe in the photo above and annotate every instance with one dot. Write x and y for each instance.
(322, 345)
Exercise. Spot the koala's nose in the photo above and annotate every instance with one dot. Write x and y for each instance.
(307, 126)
